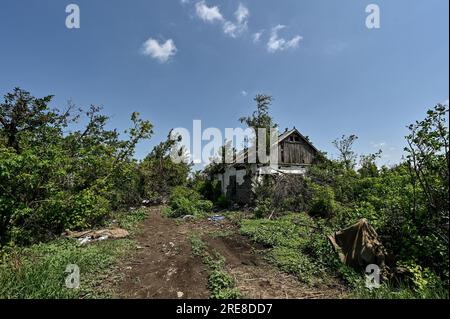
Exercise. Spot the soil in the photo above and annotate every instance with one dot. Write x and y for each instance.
(163, 265)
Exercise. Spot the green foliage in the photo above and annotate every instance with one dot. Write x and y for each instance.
(209, 188)
(297, 246)
(279, 232)
(221, 284)
(222, 202)
(323, 201)
(130, 219)
(295, 262)
(197, 244)
(277, 194)
(53, 177)
(402, 291)
(39, 271)
(260, 119)
(185, 201)
(344, 146)
(421, 279)
(407, 204)
(263, 207)
(160, 174)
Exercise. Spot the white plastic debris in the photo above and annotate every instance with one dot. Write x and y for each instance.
(84, 240)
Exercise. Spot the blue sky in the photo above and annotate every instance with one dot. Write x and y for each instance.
(174, 61)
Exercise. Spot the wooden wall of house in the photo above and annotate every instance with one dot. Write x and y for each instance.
(295, 151)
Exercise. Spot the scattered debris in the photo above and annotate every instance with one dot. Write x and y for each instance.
(170, 272)
(145, 202)
(188, 217)
(180, 294)
(169, 249)
(216, 218)
(84, 240)
(85, 237)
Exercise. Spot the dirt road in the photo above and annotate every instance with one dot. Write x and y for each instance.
(164, 267)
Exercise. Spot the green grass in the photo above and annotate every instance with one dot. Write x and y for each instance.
(221, 233)
(402, 291)
(305, 252)
(38, 271)
(285, 231)
(292, 239)
(131, 219)
(220, 283)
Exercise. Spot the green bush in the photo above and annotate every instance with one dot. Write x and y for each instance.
(54, 176)
(222, 202)
(185, 201)
(323, 202)
(422, 280)
(263, 207)
(222, 286)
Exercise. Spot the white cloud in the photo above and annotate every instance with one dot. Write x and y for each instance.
(212, 14)
(230, 29)
(244, 93)
(208, 14)
(257, 36)
(159, 51)
(276, 43)
(241, 14)
(236, 29)
(185, 1)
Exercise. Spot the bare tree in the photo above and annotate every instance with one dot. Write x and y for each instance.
(346, 154)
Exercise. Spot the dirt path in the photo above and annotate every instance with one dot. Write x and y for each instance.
(164, 267)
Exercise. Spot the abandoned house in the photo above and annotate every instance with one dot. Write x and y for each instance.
(295, 154)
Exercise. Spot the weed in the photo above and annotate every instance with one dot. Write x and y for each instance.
(221, 284)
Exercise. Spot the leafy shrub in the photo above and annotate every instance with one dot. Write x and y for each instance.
(274, 195)
(421, 279)
(185, 201)
(88, 209)
(222, 202)
(211, 190)
(221, 285)
(263, 207)
(54, 176)
(160, 174)
(323, 202)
